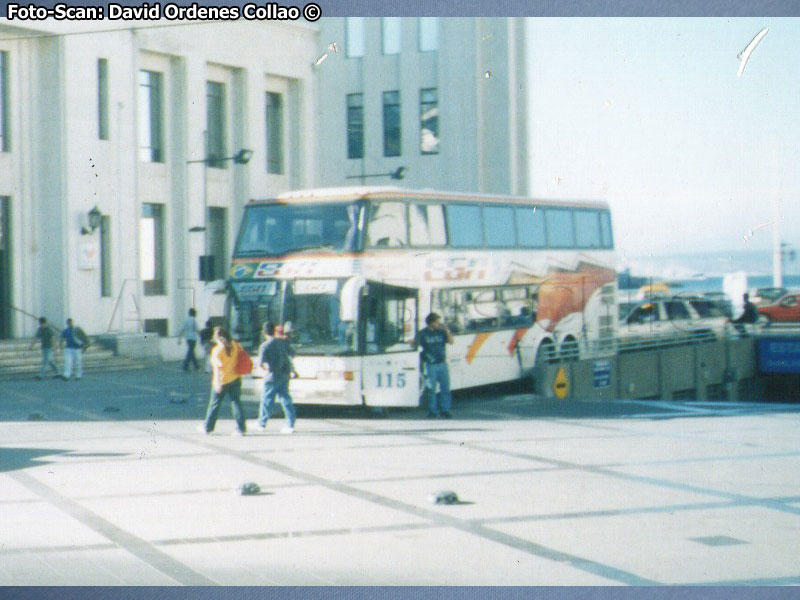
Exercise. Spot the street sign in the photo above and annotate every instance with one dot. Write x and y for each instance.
(601, 373)
(561, 383)
(778, 355)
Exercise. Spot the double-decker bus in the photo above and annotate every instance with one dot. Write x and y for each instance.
(356, 270)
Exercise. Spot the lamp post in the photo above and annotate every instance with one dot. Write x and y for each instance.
(397, 174)
(242, 157)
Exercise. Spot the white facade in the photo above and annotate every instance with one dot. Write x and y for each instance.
(56, 167)
(476, 66)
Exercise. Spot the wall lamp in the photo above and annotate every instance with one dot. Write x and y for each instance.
(242, 157)
(397, 174)
(95, 220)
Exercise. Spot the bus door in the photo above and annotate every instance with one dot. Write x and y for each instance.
(387, 334)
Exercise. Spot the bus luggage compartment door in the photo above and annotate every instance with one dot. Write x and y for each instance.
(391, 379)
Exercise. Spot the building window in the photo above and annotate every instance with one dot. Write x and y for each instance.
(102, 99)
(429, 121)
(218, 239)
(157, 326)
(354, 33)
(215, 124)
(391, 124)
(105, 256)
(151, 147)
(274, 133)
(391, 35)
(428, 34)
(5, 138)
(151, 249)
(355, 125)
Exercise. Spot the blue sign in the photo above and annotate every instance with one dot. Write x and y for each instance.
(601, 372)
(778, 355)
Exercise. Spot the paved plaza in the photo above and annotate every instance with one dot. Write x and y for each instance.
(106, 481)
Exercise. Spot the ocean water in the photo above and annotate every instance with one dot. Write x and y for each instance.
(704, 272)
(714, 284)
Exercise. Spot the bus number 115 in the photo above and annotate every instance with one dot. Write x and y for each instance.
(387, 380)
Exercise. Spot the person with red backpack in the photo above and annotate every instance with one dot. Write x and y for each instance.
(226, 381)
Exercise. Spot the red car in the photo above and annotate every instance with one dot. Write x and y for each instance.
(786, 308)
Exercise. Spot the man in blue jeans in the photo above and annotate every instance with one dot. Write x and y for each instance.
(275, 355)
(432, 340)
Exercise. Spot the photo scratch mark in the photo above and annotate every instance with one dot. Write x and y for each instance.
(744, 56)
(747, 236)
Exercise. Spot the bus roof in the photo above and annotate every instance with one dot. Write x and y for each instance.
(338, 194)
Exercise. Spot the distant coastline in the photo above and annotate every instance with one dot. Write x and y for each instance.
(698, 266)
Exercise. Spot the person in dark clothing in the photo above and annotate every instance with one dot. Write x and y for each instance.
(276, 358)
(45, 335)
(189, 332)
(748, 316)
(206, 336)
(432, 340)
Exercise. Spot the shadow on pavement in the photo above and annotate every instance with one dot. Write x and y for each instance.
(164, 392)
(14, 459)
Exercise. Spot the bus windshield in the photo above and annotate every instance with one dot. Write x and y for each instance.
(313, 308)
(276, 229)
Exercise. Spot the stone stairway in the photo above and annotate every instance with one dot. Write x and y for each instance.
(18, 361)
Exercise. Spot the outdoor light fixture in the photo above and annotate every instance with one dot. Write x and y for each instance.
(95, 220)
(242, 157)
(397, 174)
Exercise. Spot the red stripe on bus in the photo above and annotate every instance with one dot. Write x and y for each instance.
(512, 345)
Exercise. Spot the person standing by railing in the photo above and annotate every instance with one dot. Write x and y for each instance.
(45, 335)
(748, 317)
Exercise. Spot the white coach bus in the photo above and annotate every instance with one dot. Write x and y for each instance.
(356, 270)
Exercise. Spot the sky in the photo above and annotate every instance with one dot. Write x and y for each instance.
(649, 115)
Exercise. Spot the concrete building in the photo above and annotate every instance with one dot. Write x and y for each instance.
(445, 98)
(145, 124)
(120, 144)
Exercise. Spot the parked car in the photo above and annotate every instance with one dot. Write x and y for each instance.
(785, 309)
(767, 295)
(674, 317)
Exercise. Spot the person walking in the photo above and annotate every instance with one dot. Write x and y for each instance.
(432, 340)
(189, 331)
(45, 335)
(72, 353)
(749, 316)
(275, 355)
(206, 335)
(225, 382)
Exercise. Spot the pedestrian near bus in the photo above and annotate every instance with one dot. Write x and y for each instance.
(45, 335)
(73, 355)
(432, 340)
(225, 382)
(275, 356)
(206, 335)
(189, 331)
